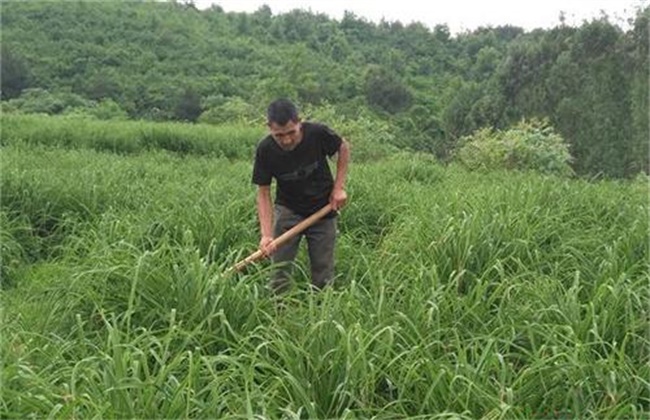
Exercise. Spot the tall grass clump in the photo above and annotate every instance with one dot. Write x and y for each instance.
(127, 137)
(459, 294)
(88, 187)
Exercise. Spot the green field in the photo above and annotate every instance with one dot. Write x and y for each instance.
(459, 294)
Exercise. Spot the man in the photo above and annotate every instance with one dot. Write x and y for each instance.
(295, 154)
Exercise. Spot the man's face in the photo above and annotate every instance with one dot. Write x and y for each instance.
(286, 136)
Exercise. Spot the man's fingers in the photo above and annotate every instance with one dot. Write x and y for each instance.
(337, 204)
(269, 248)
(266, 246)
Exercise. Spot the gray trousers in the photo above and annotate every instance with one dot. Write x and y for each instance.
(321, 237)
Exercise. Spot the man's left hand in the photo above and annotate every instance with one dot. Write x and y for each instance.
(338, 199)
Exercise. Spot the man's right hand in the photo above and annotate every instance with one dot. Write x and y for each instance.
(267, 246)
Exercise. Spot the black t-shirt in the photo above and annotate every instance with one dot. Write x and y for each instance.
(304, 179)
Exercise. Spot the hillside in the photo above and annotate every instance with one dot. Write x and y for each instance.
(170, 61)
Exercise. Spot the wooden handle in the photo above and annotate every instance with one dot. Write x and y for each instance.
(282, 239)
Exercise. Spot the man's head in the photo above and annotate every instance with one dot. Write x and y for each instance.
(284, 123)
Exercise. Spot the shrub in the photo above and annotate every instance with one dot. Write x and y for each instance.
(232, 110)
(108, 109)
(41, 101)
(529, 145)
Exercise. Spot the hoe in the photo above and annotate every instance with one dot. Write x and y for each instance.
(282, 239)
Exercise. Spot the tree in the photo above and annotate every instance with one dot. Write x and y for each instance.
(15, 74)
(188, 106)
(104, 84)
(596, 117)
(384, 92)
(636, 46)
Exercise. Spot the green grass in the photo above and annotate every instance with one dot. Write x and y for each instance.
(459, 295)
(130, 137)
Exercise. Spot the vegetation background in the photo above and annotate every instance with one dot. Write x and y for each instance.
(169, 61)
(492, 261)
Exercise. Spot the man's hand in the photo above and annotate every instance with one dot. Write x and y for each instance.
(338, 198)
(267, 246)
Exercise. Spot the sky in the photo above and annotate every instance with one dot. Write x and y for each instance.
(458, 15)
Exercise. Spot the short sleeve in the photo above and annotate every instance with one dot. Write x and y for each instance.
(261, 174)
(331, 141)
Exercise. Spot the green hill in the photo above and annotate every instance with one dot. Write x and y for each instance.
(170, 61)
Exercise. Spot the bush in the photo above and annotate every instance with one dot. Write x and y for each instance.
(530, 145)
(108, 109)
(41, 101)
(232, 111)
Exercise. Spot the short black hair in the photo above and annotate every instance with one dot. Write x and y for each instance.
(281, 111)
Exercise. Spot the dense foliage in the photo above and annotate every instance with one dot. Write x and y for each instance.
(170, 61)
(459, 294)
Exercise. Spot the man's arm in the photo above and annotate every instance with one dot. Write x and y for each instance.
(265, 216)
(339, 197)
